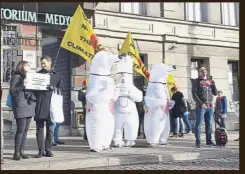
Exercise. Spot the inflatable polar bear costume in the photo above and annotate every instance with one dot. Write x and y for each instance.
(127, 117)
(156, 120)
(101, 94)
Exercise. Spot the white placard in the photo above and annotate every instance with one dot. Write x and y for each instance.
(30, 56)
(37, 81)
(194, 74)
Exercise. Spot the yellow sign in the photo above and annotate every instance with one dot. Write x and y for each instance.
(170, 82)
(129, 48)
(80, 37)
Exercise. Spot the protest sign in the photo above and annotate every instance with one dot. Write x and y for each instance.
(37, 81)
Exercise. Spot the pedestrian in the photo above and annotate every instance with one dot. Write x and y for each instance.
(141, 110)
(186, 116)
(23, 105)
(178, 112)
(2, 139)
(43, 108)
(82, 98)
(221, 109)
(203, 90)
(56, 139)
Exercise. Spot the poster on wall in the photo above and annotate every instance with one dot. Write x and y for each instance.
(37, 81)
(30, 56)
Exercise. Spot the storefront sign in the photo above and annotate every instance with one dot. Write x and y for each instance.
(27, 16)
(37, 81)
(30, 57)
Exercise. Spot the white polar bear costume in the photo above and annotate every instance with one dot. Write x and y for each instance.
(101, 94)
(127, 117)
(156, 120)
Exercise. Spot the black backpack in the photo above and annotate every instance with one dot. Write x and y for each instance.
(221, 136)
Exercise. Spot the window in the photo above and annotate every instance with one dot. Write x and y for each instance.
(197, 11)
(195, 65)
(133, 7)
(230, 13)
(233, 80)
(8, 52)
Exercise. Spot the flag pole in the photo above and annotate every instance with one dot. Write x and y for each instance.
(56, 57)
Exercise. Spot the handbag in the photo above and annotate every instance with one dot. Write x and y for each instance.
(56, 107)
(9, 101)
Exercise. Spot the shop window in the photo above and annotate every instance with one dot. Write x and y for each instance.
(9, 59)
(233, 80)
(133, 7)
(230, 13)
(197, 11)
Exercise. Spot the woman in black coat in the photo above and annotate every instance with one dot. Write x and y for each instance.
(24, 103)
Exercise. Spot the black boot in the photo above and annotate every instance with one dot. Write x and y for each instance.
(40, 154)
(17, 156)
(23, 155)
(49, 154)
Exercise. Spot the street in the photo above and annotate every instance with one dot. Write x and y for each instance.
(207, 164)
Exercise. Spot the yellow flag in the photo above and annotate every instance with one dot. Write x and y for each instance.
(171, 82)
(80, 37)
(129, 48)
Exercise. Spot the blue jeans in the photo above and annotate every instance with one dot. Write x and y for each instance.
(207, 115)
(179, 125)
(56, 127)
(187, 122)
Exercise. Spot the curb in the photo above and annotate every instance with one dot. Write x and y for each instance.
(74, 164)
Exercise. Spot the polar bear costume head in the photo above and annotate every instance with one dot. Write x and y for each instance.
(125, 70)
(102, 63)
(159, 73)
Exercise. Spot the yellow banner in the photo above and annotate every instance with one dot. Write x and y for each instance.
(80, 37)
(170, 82)
(129, 48)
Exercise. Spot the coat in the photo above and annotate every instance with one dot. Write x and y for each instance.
(23, 101)
(178, 109)
(44, 97)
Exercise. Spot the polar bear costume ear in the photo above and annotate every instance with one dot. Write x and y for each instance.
(103, 62)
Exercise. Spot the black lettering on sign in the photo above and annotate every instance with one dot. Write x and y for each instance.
(77, 47)
(132, 55)
(85, 17)
(84, 27)
(132, 45)
(85, 40)
(136, 66)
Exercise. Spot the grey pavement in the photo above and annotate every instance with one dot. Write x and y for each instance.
(206, 164)
(75, 154)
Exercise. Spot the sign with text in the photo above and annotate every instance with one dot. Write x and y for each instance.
(80, 37)
(37, 81)
(129, 48)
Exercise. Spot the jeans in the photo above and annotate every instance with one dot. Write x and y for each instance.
(21, 133)
(207, 115)
(172, 125)
(56, 127)
(179, 125)
(187, 122)
(220, 121)
(40, 134)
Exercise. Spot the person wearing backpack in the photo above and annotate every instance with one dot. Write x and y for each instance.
(221, 109)
(203, 90)
(186, 116)
(23, 105)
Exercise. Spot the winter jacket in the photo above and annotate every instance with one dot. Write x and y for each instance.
(23, 101)
(179, 107)
(44, 97)
(203, 91)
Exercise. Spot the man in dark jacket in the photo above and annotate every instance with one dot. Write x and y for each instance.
(43, 108)
(203, 89)
(82, 98)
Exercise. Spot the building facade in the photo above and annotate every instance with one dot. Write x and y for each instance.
(188, 35)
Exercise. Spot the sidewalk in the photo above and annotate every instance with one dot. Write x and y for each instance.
(75, 154)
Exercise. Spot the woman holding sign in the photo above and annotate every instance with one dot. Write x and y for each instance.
(24, 103)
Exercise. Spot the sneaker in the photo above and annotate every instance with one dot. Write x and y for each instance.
(211, 145)
(197, 146)
(60, 142)
(54, 144)
(49, 154)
